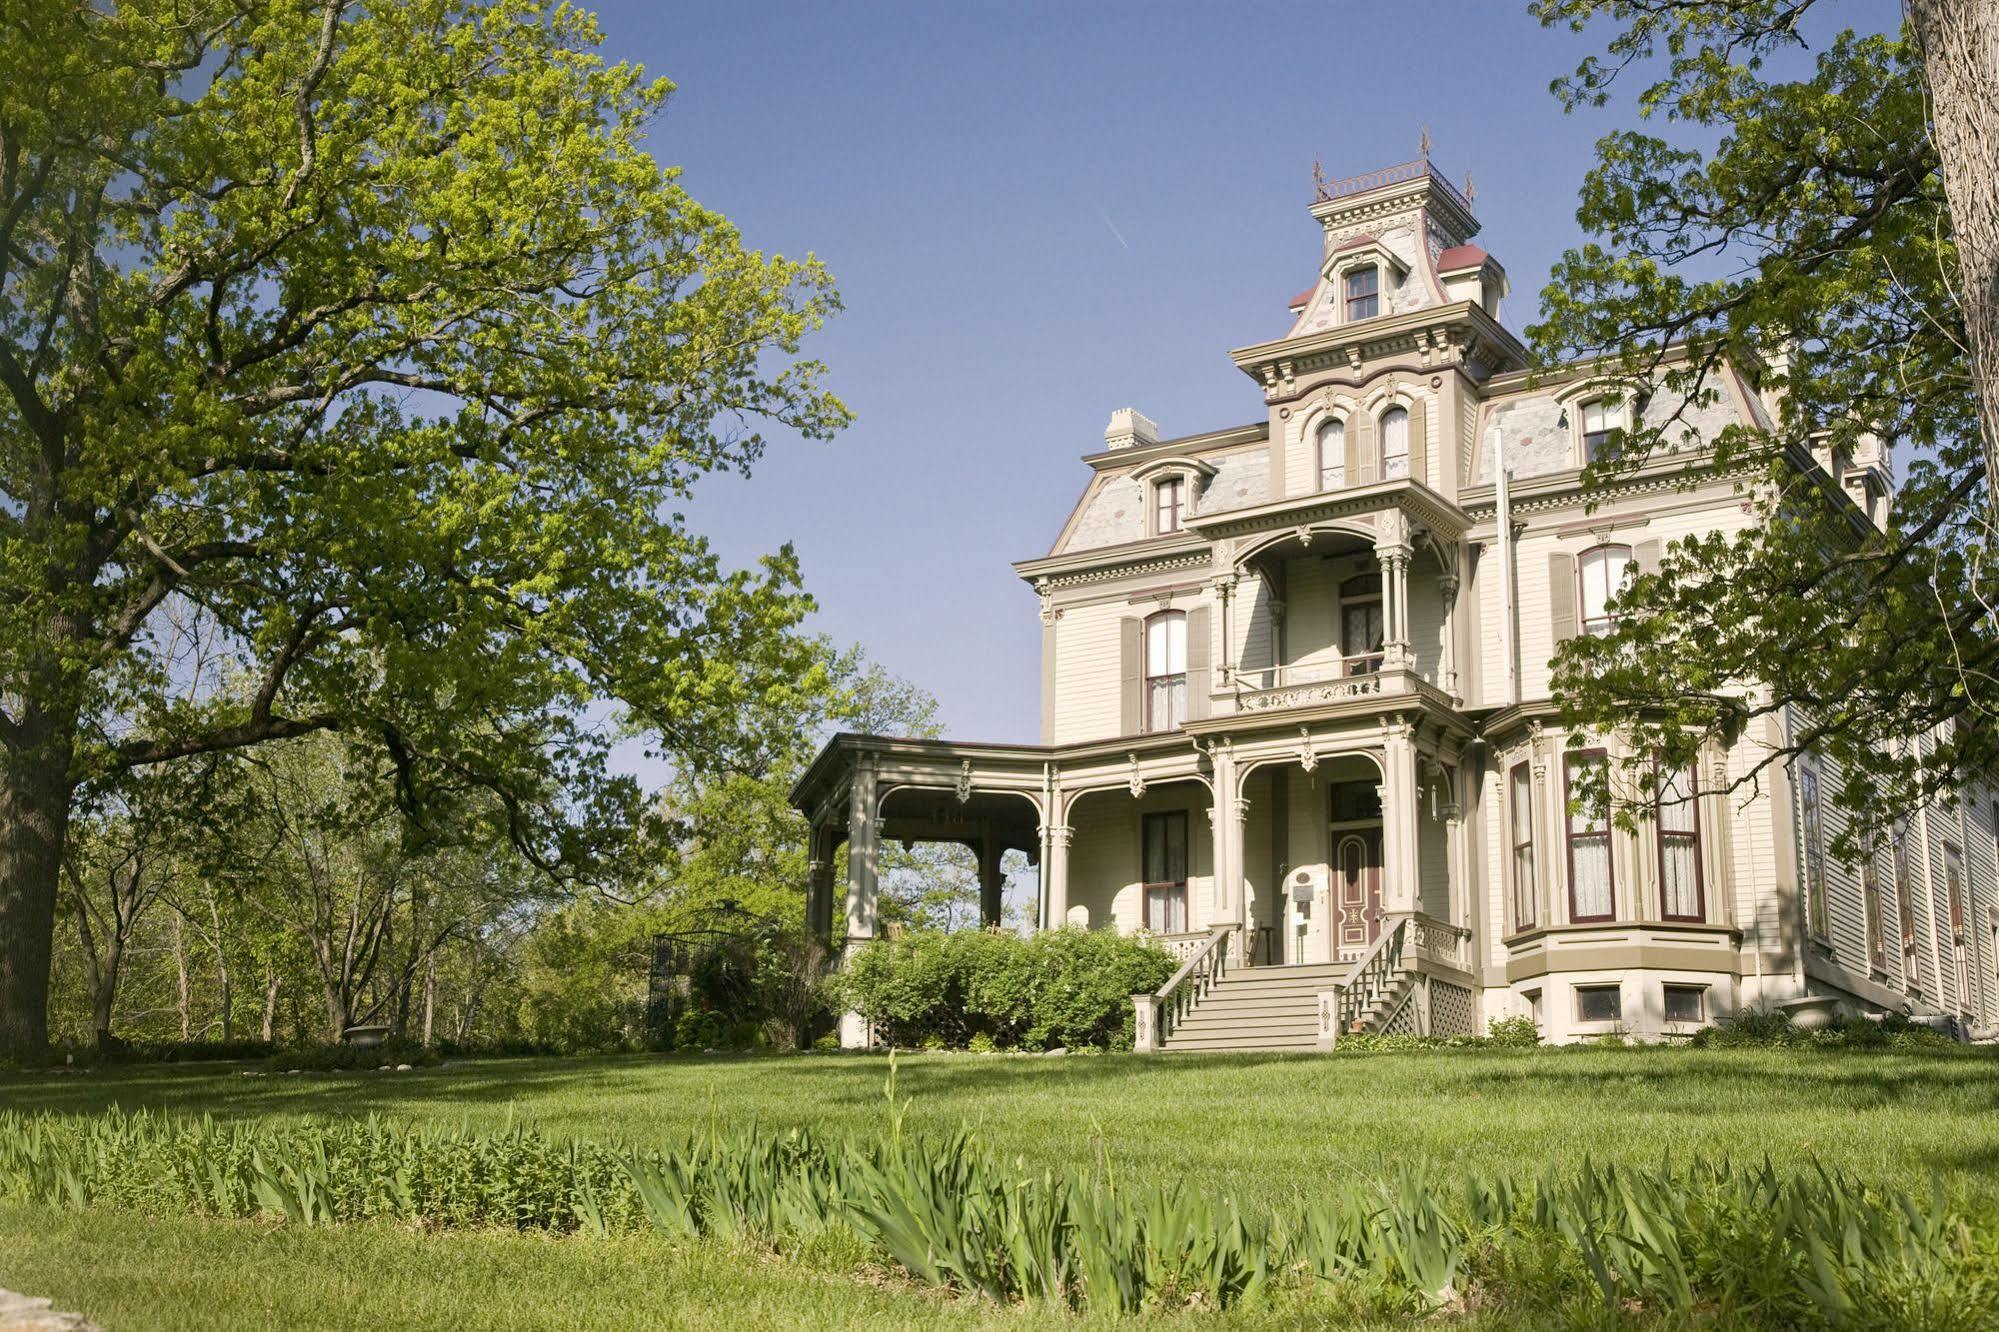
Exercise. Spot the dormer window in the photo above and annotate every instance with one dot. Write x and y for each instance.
(1394, 443)
(1363, 293)
(1599, 418)
(1332, 455)
(1169, 501)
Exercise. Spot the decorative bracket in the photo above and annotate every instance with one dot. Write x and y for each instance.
(1308, 758)
(965, 782)
(1137, 782)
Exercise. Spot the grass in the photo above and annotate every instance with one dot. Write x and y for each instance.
(1260, 1128)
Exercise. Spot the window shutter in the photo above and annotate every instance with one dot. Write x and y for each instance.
(1419, 442)
(1362, 466)
(1646, 556)
(1562, 596)
(1197, 663)
(1131, 675)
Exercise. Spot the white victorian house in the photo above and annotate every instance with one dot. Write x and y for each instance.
(1296, 721)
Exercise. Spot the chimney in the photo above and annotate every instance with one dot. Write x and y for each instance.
(1130, 428)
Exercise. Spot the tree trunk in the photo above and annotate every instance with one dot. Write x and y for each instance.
(271, 1006)
(182, 988)
(1960, 45)
(429, 999)
(222, 971)
(35, 794)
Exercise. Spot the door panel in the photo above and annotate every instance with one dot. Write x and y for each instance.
(1357, 889)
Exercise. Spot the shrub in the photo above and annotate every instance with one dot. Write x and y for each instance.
(1774, 1028)
(982, 1044)
(351, 1058)
(1059, 987)
(1518, 1031)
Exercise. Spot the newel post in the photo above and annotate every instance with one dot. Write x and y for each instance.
(1145, 1024)
(1329, 1019)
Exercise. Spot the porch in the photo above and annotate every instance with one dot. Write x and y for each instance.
(1336, 828)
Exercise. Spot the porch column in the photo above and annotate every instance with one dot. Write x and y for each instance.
(1225, 594)
(991, 881)
(1055, 866)
(1394, 560)
(1224, 822)
(862, 860)
(819, 884)
(1398, 818)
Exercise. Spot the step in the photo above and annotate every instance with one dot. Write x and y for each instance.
(1337, 970)
(1220, 1045)
(1258, 1003)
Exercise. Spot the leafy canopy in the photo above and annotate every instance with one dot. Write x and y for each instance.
(375, 335)
(1793, 228)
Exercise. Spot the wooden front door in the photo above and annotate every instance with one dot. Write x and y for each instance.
(1356, 891)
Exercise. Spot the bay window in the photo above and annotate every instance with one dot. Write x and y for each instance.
(1592, 895)
(1520, 815)
(1679, 846)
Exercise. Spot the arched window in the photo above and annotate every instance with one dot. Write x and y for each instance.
(1363, 293)
(1394, 443)
(1332, 455)
(1601, 574)
(1166, 671)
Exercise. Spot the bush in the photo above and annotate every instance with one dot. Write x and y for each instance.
(1517, 1031)
(1069, 988)
(349, 1058)
(1763, 1028)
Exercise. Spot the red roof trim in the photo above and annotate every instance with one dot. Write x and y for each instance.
(1303, 297)
(1461, 256)
(1365, 238)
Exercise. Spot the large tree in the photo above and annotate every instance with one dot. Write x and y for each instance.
(1790, 220)
(375, 333)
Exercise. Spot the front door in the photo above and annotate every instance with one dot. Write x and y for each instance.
(1356, 891)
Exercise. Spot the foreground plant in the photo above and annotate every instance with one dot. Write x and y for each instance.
(1808, 1249)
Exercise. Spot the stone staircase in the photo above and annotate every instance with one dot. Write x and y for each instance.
(1257, 1008)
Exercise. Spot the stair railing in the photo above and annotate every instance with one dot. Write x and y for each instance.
(1157, 1014)
(1372, 976)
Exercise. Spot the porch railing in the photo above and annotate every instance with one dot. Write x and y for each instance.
(1372, 976)
(1157, 1014)
(1182, 946)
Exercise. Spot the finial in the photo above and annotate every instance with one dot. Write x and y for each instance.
(1318, 175)
(1471, 189)
(1423, 144)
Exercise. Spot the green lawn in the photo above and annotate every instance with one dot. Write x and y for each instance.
(1263, 1128)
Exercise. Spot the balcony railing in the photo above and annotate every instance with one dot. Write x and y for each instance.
(1314, 672)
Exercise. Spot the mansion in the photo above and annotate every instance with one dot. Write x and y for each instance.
(1296, 718)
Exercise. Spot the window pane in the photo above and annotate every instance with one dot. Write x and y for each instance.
(1332, 455)
(1395, 442)
(1603, 570)
(1522, 815)
(1814, 852)
(1677, 813)
(1166, 644)
(1686, 1003)
(1589, 843)
(1599, 1003)
(1363, 293)
(1596, 417)
(1679, 876)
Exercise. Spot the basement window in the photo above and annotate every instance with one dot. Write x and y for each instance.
(1599, 1003)
(1686, 1003)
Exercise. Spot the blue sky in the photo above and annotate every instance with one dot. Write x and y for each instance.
(1036, 214)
